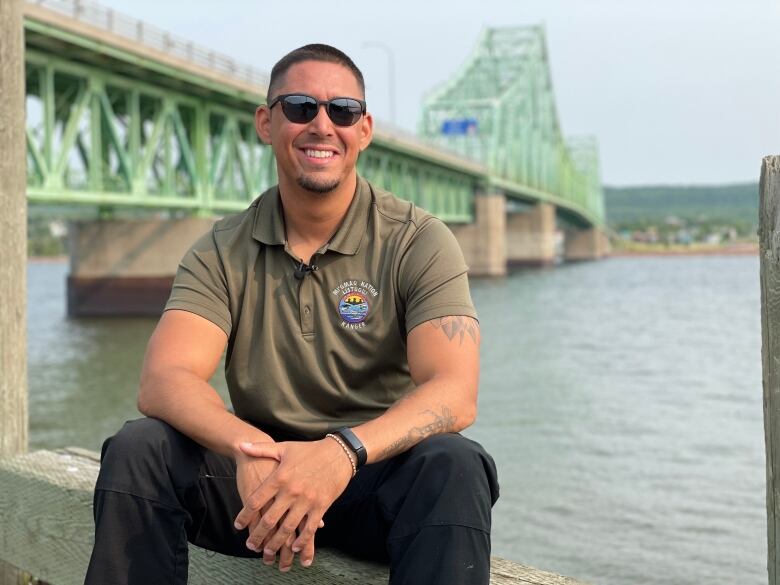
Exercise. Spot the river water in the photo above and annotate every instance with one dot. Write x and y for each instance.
(621, 399)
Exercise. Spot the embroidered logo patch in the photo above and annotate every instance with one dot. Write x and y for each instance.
(354, 306)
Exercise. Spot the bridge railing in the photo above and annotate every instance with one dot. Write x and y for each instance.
(152, 37)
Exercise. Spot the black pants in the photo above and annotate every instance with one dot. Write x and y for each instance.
(426, 511)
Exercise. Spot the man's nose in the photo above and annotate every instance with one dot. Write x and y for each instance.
(321, 122)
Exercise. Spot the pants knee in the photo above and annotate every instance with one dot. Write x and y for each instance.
(460, 463)
(138, 433)
(147, 457)
(443, 480)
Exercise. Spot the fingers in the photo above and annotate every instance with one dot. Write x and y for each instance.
(286, 554)
(306, 532)
(246, 517)
(285, 531)
(261, 533)
(307, 552)
(256, 500)
(270, 450)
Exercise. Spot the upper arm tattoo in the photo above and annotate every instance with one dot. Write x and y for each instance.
(457, 326)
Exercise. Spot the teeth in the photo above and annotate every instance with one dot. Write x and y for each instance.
(319, 153)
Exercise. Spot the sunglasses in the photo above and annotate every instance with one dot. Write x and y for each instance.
(301, 108)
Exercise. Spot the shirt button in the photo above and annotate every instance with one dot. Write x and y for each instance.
(306, 310)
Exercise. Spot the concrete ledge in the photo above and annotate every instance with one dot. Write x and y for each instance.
(47, 531)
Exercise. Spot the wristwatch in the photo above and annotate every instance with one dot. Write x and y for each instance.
(350, 438)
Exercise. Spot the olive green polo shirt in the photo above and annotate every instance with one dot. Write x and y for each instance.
(306, 355)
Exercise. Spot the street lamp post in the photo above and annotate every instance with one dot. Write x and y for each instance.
(390, 72)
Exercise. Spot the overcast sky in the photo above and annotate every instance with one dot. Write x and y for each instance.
(676, 91)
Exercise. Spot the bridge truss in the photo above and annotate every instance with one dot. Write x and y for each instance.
(112, 141)
(499, 109)
(116, 123)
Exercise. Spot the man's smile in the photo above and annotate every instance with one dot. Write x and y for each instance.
(318, 155)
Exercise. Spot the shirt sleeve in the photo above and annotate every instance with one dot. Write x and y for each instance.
(200, 285)
(433, 276)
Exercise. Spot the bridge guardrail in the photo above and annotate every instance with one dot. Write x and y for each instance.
(152, 37)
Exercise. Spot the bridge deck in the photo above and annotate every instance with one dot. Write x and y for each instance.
(48, 28)
(46, 515)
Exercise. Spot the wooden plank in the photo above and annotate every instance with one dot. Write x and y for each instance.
(46, 520)
(13, 231)
(769, 246)
(10, 575)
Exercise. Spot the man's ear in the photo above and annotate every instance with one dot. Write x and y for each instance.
(366, 131)
(263, 123)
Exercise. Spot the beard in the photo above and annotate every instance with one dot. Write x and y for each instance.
(309, 183)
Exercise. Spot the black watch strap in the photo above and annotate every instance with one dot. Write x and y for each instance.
(353, 443)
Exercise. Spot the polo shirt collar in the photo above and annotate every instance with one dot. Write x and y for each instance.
(269, 221)
(353, 227)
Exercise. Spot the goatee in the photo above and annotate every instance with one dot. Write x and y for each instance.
(310, 184)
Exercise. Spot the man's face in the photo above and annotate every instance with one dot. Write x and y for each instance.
(318, 156)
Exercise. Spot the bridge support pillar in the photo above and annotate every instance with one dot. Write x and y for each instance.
(587, 244)
(484, 241)
(531, 236)
(126, 267)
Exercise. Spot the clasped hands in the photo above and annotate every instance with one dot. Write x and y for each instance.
(286, 488)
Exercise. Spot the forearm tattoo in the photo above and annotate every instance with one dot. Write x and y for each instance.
(443, 422)
(457, 326)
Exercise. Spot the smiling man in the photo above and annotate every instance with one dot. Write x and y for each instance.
(352, 363)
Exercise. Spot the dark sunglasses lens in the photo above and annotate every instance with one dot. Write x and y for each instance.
(299, 108)
(344, 111)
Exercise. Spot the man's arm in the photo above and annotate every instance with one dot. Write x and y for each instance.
(182, 355)
(443, 359)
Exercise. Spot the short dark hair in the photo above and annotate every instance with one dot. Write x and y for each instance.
(313, 52)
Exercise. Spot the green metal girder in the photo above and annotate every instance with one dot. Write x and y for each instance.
(114, 140)
(445, 192)
(108, 140)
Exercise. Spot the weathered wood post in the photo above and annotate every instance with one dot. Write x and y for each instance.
(13, 233)
(769, 236)
(13, 247)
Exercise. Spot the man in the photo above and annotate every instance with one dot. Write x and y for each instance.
(352, 362)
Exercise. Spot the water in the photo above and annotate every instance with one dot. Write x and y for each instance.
(621, 399)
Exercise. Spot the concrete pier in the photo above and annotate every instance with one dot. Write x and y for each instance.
(586, 244)
(126, 267)
(531, 236)
(484, 242)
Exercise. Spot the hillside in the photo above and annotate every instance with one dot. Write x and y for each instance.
(735, 204)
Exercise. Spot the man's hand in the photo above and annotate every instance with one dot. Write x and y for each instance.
(251, 472)
(308, 479)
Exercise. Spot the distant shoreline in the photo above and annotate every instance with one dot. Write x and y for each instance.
(742, 249)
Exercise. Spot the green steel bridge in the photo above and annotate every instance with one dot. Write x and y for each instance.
(124, 115)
